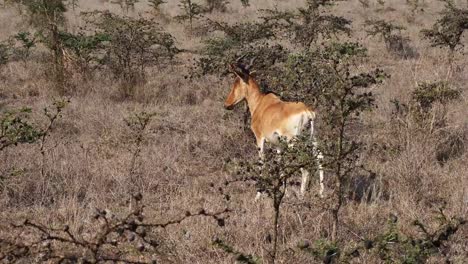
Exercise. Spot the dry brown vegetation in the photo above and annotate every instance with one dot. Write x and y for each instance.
(158, 128)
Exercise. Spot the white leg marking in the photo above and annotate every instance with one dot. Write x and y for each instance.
(322, 186)
(305, 180)
(312, 128)
(260, 147)
(258, 196)
(320, 168)
(319, 155)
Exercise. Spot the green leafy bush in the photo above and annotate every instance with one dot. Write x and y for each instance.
(307, 25)
(244, 38)
(190, 11)
(48, 18)
(5, 52)
(84, 50)
(126, 5)
(391, 34)
(448, 29)
(130, 46)
(27, 42)
(218, 5)
(427, 109)
(16, 128)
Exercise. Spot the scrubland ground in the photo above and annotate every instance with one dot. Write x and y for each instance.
(90, 149)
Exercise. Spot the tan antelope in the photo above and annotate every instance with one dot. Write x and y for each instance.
(270, 116)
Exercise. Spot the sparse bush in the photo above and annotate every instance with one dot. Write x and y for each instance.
(239, 256)
(391, 34)
(428, 107)
(426, 94)
(415, 5)
(84, 51)
(138, 123)
(126, 5)
(132, 45)
(448, 29)
(275, 172)
(5, 53)
(48, 17)
(107, 238)
(53, 114)
(391, 245)
(341, 96)
(156, 5)
(190, 11)
(245, 3)
(216, 5)
(322, 250)
(452, 145)
(42, 13)
(325, 79)
(364, 3)
(249, 39)
(307, 25)
(16, 128)
(322, 78)
(27, 42)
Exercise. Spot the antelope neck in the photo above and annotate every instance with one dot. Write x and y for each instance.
(253, 96)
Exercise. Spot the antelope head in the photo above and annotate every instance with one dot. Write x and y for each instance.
(239, 88)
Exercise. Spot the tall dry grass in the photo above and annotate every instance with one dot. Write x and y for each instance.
(89, 151)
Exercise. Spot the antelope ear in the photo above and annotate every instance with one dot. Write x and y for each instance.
(239, 72)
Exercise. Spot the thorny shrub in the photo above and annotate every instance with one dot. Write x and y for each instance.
(190, 11)
(328, 78)
(26, 42)
(424, 117)
(239, 38)
(156, 5)
(16, 128)
(48, 18)
(391, 34)
(5, 51)
(138, 123)
(307, 25)
(428, 106)
(216, 5)
(82, 51)
(130, 238)
(448, 29)
(280, 167)
(126, 5)
(240, 257)
(260, 39)
(133, 45)
(392, 245)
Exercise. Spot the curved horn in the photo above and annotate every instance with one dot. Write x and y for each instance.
(250, 65)
(240, 58)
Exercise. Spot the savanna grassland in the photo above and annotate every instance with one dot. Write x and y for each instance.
(115, 146)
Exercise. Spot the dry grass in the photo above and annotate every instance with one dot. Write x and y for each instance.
(185, 147)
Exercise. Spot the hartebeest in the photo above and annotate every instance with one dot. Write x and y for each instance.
(271, 117)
